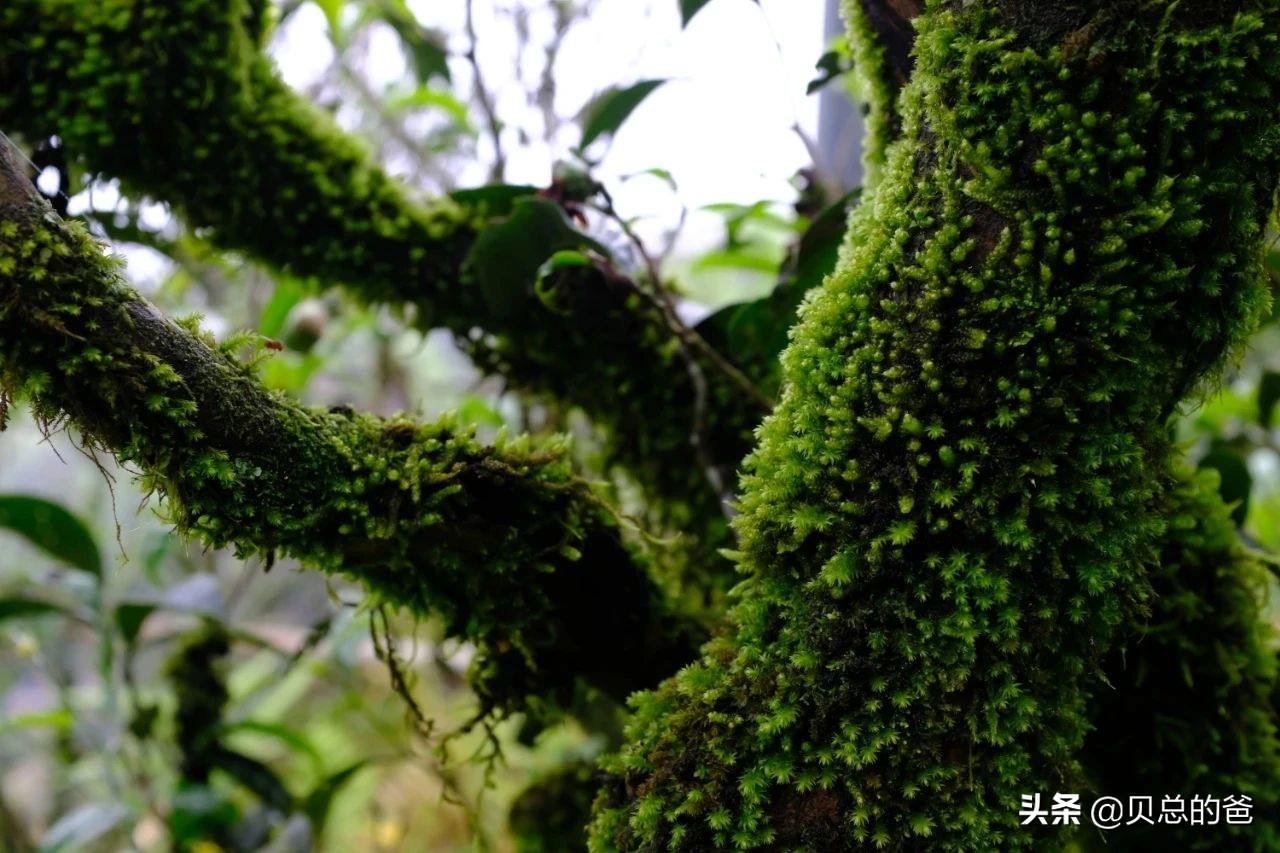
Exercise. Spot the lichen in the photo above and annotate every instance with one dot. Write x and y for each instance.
(952, 515)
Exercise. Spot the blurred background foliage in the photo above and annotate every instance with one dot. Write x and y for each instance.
(154, 696)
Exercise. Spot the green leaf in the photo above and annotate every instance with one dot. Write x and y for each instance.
(562, 259)
(1235, 481)
(198, 812)
(830, 65)
(426, 48)
(52, 529)
(320, 800)
(129, 619)
(473, 410)
(752, 334)
(425, 97)
(77, 829)
(287, 293)
(285, 735)
(661, 174)
(507, 255)
(611, 108)
(257, 777)
(689, 8)
(333, 14)
(744, 258)
(1268, 396)
(738, 216)
(60, 719)
(493, 200)
(17, 608)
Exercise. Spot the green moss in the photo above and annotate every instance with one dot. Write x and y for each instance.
(952, 514)
(875, 89)
(504, 543)
(1189, 707)
(176, 100)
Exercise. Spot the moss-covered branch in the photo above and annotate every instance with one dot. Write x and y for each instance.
(1189, 704)
(953, 513)
(504, 543)
(177, 100)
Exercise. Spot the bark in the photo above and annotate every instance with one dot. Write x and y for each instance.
(504, 543)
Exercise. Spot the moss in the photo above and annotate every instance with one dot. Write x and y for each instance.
(504, 543)
(176, 100)
(1188, 707)
(878, 84)
(952, 514)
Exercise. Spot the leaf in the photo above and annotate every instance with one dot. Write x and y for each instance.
(60, 719)
(562, 259)
(748, 258)
(285, 735)
(507, 255)
(661, 174)
(830, 65)
(52, 529)
(320, 800)
(129, 619)
(198, 812)
(819, 246)
(689, 8)
(199, 595)
(255, 776)
(752, 334)
(17, 608)
(493, 200)
(425, 47)
(1268, 396)
(333, 14)
(287, 294)
(1235, 481)
(77, 829)
(473, 410)
(604, 115)
(737, 216)
(446, 102)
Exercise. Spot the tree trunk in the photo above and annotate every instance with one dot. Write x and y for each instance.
(954, 511)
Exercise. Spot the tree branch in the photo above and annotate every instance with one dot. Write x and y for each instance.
(176, 100)
(511, 550)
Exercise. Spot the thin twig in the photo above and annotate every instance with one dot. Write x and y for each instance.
(810, 145)
(689, 335)
(688, 340)
(498, 170)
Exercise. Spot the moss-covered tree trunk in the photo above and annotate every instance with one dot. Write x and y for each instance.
(954, 513)
(976, 567)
